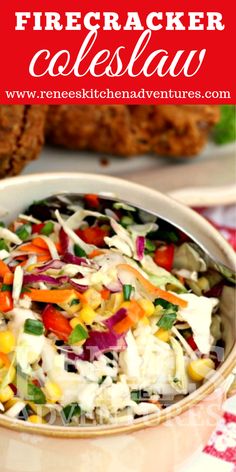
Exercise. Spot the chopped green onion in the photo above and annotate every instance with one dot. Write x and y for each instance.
(6, 288)
(33, 327)
(126, 221)
(3, 245)
(170, 313)
(47, 229)
(35, 394)
(135, 396)
(139, 395)
(78, 334)
(165, 304)
(123, 206)
(71, 410)
(23, 232)
(25, 290)
(127, 290)
(173, 237)
(149, 245)
(166, 235)
(75, 301)
(167, 320)
(79, 251)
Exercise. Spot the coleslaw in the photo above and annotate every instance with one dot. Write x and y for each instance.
(104, 316)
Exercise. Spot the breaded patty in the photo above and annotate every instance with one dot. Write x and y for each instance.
(125, 130)
(21, 136)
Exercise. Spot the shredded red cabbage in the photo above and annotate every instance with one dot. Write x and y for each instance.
(79, 287)
(100, 342)
(34, 278)
(140, 245)
(118, 316)
(64, 241)
(71, 259)
(54, 264)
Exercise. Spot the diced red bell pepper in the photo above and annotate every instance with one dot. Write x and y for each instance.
(164, 256)
(92, 200)
(192, 343)
(93, 235)
(6, 302)
(105, 293)
(37, 228)
(55, 322)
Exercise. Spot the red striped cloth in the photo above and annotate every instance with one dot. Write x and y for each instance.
(220, 452)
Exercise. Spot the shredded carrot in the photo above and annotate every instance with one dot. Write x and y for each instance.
(39, 242)
(43, 258)
(156, 291)
(58, 247)
(134, 314)
(95, 253)
(4, 269)
(105, 293)
(32, 249)
(123, 325)
(81, 297)
(51, 296)
(8, 278)
(5, 359)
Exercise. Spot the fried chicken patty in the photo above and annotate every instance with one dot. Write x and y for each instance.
(126, 130)
(21, 136)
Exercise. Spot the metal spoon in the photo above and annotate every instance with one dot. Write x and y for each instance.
(66, 201)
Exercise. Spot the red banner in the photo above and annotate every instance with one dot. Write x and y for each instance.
(126, 52)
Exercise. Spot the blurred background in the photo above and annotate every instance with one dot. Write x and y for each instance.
(172, 148)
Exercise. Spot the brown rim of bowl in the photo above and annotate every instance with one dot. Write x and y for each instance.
(155, 419)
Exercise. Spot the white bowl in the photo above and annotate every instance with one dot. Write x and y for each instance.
(144, 445)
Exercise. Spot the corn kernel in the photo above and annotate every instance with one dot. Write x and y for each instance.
(6, 394)
(125, 305)
(200, 368)
(31, 267)
(36, 419)
(144, 321)
(74, 322)
(114, 303)
(147, 306)
(39, 410)
(11, 402)
(93, 297)
(87, 314)
(52, 391)
(7, 341)
(163, 335)
(71, 309)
